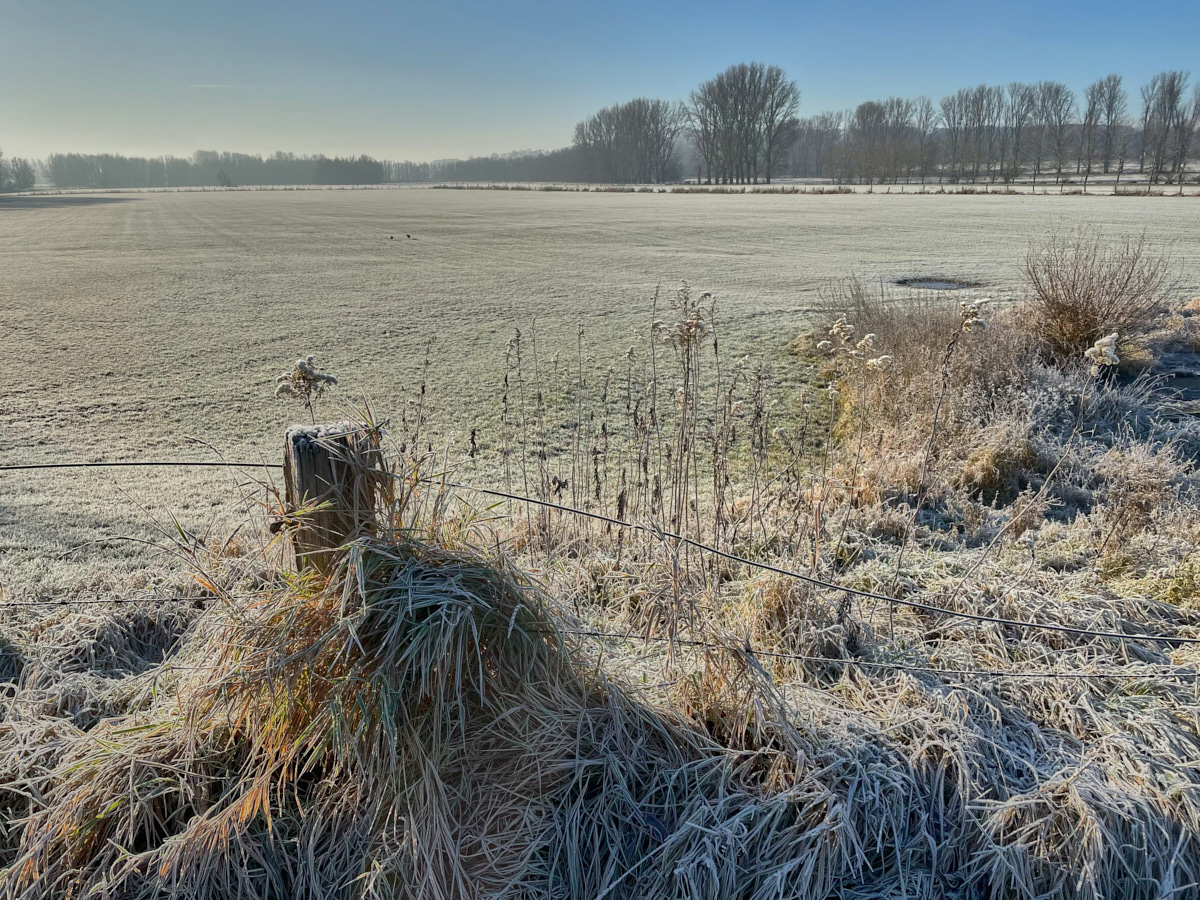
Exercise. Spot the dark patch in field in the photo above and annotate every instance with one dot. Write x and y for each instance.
(931, 283)
(51, 201)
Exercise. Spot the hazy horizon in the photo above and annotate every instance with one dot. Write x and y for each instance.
(473, 79)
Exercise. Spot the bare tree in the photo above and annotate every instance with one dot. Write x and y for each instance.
(775, 159)
(954, 120)
(983, 107)
(703, 115)
(630, 142)
(993, 123)
(816, 138)
(1019, 108)
(925, 125)
(1186, 117)
(711, 117)
(1164, 118)
(1040, 125)
(898, 120)
(867, 134)
(1122, 139)
(1059, 108)
(1089, 133)
(23, 174)
(1149, 97)
(664, 124)
(776, 113)
(17, 174)
(1114, 102)
(741, 121)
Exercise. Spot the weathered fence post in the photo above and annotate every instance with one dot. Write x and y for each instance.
(333, 476)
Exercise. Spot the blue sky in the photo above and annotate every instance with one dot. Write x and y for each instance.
(460, 77)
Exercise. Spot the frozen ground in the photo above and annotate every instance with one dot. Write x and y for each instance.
(133, 322)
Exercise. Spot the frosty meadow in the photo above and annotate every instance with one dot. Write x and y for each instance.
(880, 591)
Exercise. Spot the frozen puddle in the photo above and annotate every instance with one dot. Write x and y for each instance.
(933, 284)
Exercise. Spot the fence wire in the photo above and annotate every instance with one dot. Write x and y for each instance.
(665, 535)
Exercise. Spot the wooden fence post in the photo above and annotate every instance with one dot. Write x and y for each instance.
(333, 476)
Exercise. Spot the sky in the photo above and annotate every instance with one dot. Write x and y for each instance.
(422, 81)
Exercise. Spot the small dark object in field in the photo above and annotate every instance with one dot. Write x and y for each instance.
(936, 284)
(409, 236)
(391, 237)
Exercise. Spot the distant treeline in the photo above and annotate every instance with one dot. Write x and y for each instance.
(16, 174)
(741, 127)
(207, 168)
(555, 165)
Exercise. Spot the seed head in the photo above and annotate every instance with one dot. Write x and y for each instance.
(1103, 353)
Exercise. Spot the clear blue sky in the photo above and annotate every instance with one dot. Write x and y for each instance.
(460, 77)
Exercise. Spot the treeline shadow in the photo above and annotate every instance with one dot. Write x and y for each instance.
(51, 201)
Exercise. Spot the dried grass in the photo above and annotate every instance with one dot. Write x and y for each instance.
(447, 713)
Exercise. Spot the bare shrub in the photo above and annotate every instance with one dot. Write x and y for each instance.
(1083, 288)
(965, 417)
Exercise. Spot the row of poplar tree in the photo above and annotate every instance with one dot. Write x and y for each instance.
(1002, 133)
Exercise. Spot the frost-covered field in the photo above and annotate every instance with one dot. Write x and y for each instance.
(133, 322)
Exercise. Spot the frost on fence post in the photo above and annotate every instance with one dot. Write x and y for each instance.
(333, 479)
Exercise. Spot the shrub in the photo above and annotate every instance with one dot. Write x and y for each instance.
(1083, 288)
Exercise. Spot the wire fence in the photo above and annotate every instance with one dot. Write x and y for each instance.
(142, 464)
(831, 585)
(665, 535)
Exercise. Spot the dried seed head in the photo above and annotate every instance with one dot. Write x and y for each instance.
(1103, 353)
(842, 331)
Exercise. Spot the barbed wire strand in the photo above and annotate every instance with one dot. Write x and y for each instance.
(142, 463)
(913, 604)
(662, 533)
